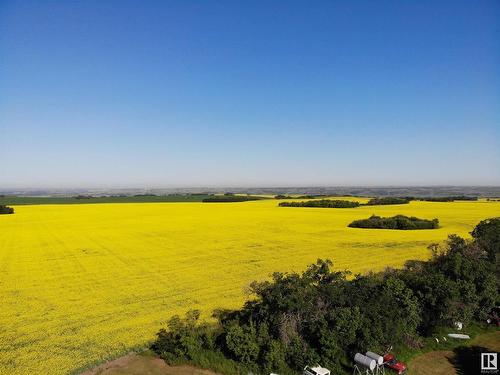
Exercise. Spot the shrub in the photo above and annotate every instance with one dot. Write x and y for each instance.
(6, 210)
(387, 200)
(324, 203)
(399, 222)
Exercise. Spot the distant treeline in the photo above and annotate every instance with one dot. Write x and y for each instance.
(404, 200)
(332, 203)
(6, 210)
(300, 196)
(230, 198)
(387, 200)
(325, 316)
(337, 203)
(445, 199)
(400, 222)
(326, 203)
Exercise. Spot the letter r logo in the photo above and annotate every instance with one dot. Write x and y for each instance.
(489, 361)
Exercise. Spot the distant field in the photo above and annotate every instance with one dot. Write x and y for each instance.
(82, 282)
(15, 200)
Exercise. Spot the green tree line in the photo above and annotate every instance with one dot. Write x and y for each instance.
(230, 198)
(326, 203)
(322, 316)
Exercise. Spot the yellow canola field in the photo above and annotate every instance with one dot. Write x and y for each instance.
(82, 283)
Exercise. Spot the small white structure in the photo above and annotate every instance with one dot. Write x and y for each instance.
(318, 370)
(364, 364)
(459, 326)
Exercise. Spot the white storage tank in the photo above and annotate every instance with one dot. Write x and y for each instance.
(378, 358)
(365, 361)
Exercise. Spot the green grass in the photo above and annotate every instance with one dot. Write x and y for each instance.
(15, 200)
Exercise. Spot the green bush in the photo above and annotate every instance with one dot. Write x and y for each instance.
(387, 200)
(324, 203)
(399, 222)
(6, 210)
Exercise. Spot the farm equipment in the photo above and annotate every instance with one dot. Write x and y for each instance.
(393, 363)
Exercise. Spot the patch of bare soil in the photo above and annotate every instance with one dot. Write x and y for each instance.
(137, 364)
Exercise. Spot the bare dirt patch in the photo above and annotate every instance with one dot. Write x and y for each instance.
(137, 364)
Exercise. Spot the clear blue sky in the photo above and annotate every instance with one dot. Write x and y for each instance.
(233, 93)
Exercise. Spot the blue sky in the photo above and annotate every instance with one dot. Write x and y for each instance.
(230, 93)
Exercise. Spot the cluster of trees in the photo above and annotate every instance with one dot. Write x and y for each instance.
(372, 202)
(6, 210)
(387, 200)
(281, 196)
(446, 199)
(319, 316)
(396, 222)
(326, 203)
(230, 198)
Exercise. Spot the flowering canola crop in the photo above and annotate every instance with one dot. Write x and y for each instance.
(82, 283)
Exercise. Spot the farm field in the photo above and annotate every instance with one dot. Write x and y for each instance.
(81, 283)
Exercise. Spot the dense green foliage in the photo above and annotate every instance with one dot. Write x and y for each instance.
(387, 200)
(326, 203)
(319, 316)
(400, 222)
(487, 234)
(6, 210)
(230, 198)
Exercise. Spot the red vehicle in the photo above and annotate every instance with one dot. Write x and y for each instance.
(391, 362)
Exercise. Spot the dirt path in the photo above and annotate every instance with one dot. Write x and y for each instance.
(137, 364)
